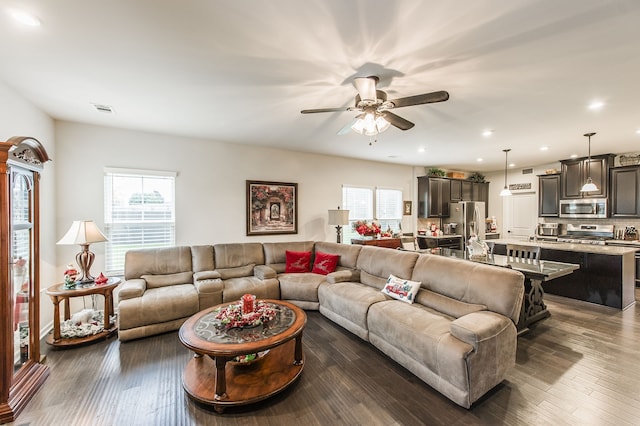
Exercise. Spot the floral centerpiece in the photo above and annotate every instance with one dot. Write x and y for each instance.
(232, 316)
(364, 228)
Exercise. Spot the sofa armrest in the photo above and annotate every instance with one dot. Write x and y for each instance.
(208, 285)
(264, 272)
(343, 275)
(479, 327)
(132, 288)
(205, 275)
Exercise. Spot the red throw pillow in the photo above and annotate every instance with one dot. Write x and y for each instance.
(298, 261)
(325, 263)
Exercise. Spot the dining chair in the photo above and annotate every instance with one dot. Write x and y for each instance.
(522, 252)
(409, 242)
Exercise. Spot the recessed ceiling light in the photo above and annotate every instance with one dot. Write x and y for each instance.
(596, 105)
(25, 18)
(574, 155)
(479, 160)
(421, 149)
(638, 131)
(544, 148)
(487, 133)
(512, 165)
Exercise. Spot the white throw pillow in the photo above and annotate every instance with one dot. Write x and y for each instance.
(400, 289)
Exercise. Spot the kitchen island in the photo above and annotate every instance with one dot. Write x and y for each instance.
(606, 275)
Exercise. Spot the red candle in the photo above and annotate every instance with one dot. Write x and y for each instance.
(248, 301)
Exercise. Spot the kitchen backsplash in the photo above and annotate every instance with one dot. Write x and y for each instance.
(618, 223)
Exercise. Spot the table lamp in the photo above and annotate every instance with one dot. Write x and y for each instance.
(83, 232)
(339, 217)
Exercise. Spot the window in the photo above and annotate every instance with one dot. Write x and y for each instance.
(139, 212)
(367, 203)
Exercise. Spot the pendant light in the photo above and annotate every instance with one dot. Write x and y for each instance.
(589, 186)
(505, 191)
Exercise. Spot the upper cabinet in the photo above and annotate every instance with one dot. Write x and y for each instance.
(625, 191)
(576, 172)
(434, 195)
(549, 195)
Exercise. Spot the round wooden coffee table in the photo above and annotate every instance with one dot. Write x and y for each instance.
(214, 380)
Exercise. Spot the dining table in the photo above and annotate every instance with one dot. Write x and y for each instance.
(535, 273)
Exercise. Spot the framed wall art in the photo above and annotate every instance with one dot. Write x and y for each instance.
(272, 208)
(407, 208)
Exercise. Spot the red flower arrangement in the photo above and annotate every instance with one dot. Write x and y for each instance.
(232, 316)
(364, 228)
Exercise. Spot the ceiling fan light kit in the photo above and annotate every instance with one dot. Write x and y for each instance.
(376, 116)
(589, 186)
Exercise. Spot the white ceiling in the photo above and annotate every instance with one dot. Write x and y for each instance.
(240, 72)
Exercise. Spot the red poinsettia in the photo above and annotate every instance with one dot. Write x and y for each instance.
(364, 228)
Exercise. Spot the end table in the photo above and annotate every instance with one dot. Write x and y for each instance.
(58, 293)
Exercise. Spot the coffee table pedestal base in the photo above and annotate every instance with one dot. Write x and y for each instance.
(245, 384)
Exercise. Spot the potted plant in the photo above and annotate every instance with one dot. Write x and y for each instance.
(477, 177)
(434, 171)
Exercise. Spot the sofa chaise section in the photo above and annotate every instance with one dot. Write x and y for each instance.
(157, 294)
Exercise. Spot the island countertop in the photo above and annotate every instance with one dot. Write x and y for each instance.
(581, 248)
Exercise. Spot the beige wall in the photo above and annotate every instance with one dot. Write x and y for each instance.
(20, 118)
(210, 186)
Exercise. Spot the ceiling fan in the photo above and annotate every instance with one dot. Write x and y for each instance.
(375, 115)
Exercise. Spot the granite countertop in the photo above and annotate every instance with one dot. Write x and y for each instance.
(634, 243)
(441, 236)
(583, 248)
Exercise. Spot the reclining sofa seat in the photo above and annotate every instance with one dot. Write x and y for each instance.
(240, 267)
(301, 288)
(158, 293)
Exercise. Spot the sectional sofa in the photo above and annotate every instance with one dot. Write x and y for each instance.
(458, 335)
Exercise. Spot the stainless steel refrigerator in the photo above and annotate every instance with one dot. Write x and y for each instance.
(469, 218)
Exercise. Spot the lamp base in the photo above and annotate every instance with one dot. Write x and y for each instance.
(338, 234)
(85, 260)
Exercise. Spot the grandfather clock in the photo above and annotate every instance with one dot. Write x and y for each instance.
(21, 162)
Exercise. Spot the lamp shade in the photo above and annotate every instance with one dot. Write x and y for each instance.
(83, 232)
(338, 217)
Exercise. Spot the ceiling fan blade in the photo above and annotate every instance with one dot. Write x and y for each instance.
(366, 87)
(312, 111)
(396, 120)
(427, 98)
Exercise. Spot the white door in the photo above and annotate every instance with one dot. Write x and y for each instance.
(520, 215)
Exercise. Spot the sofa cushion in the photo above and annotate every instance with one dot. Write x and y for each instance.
(232, 255)
(348, 253)
(234, 288)
(276, 252)
(349, 300)
(452, 307)
(240, 271)
(325, 263)
(377, 263)
(298, 261)
(155, 281)
(401, 289)
(301, 286)
(158, 261)
(158, 305)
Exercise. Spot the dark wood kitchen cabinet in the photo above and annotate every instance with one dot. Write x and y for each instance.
(549, 195)
(576, 172)
(625, 191)
(434, 195)
(481, 193)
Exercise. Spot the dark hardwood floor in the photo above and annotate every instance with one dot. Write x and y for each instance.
(581, 366)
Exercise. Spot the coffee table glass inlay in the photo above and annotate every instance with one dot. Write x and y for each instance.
(210, 378)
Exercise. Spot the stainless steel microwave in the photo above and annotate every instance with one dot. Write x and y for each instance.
(587, 208)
